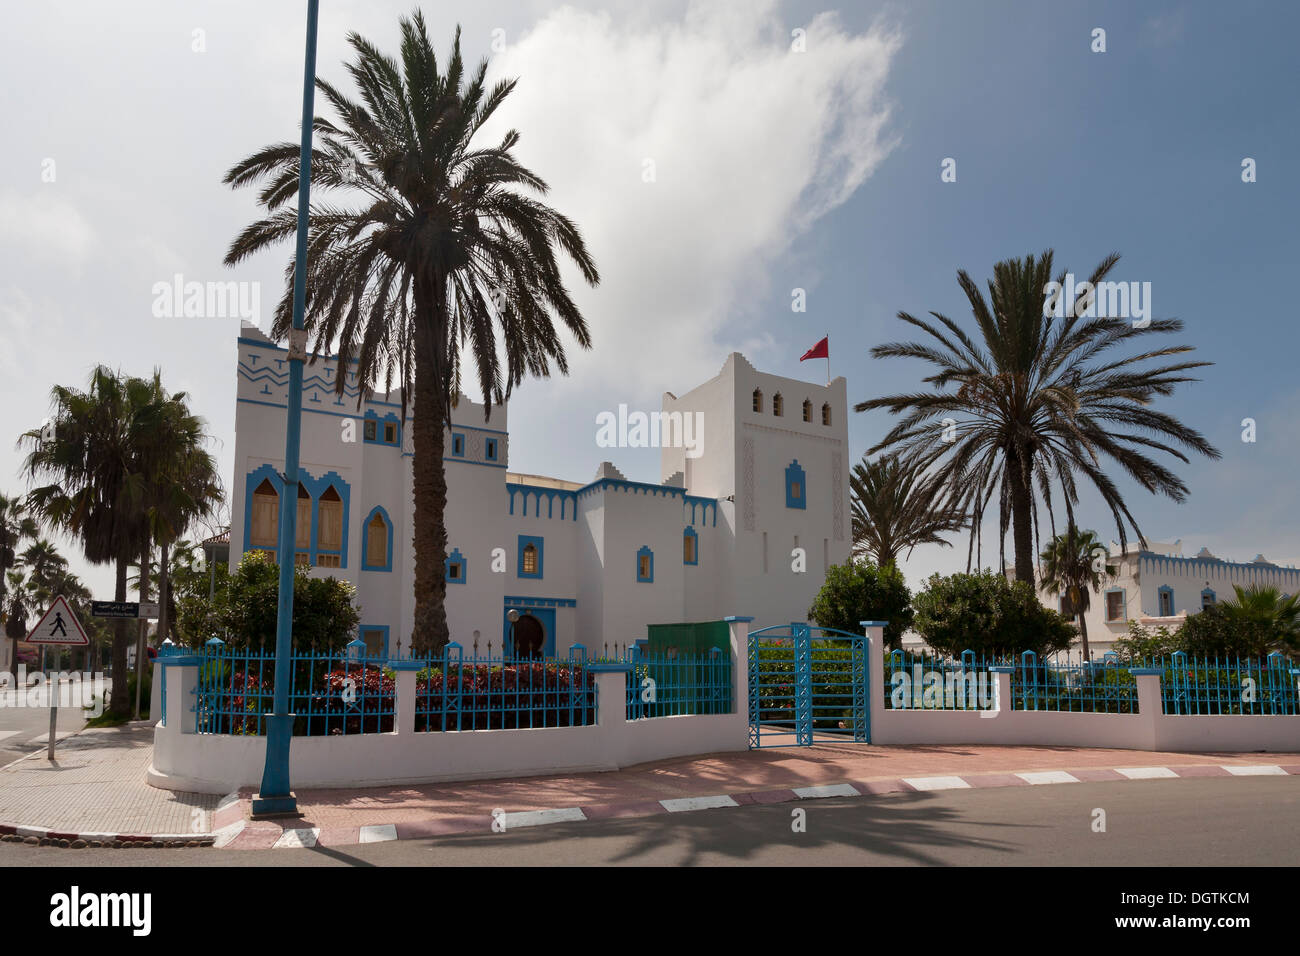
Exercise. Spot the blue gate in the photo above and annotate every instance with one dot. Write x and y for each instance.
(805, 688)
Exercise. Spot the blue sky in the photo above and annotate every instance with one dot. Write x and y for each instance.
(773, 173)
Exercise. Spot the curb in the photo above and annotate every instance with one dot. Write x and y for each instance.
(40, 836)
(241, 834)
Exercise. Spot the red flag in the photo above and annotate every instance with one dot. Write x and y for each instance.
(821, 350)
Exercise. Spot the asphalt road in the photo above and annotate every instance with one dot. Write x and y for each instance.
(24, 729)
(1213, 822)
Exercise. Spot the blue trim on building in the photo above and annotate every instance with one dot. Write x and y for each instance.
(388, 419)
(365, 541)
(517, 601)
(695, 548)
(316, 487)
(642, 552)
(796, 486)
(703, 504)
(464, 567)
(568, 501)
(491, 449)
(251, 483)
(538, 542)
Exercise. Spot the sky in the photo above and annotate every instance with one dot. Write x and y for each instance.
(717, 156)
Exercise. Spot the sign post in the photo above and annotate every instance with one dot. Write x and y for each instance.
(57, 626)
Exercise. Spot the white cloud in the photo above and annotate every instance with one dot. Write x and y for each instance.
(751, 144)
(46, 224)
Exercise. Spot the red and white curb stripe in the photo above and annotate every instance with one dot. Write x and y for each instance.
(239, 834)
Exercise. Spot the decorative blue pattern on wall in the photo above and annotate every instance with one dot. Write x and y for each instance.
(645, 552)
(796, 488)
(456, 558)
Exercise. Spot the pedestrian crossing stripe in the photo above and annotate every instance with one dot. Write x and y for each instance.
(59, 626)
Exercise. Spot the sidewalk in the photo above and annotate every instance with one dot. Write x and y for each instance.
(95, 791)
(343, 817)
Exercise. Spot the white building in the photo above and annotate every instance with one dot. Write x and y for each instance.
(583, 562)
(1157, 586)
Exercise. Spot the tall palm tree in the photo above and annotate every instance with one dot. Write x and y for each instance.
(17, 604)
(896, 505)
(97, 489)
(1036, 402)
(16, 525)
(1263, 607)
(443, 250)
(1073, 567)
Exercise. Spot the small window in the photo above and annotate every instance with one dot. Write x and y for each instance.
(458, 445)
(1114, 605)
(530, 559)
(369, 430)
(796, 490)
(1208, 599)
(390, 433)
(645, 565)
(826, 414)
(327, 561)
(758, 399)
(457, 568)
(302, 558)
(376, 641)
(491, 453)
(778, 405)
(1166, 602)
(377, 542)
(807, 410)
(795, 483)
(690, 547)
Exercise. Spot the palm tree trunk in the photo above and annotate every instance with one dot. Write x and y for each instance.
(118, 704)
(430, 632)
(164, 593)
(140, 655)
(1083, 633)
(1022, 510)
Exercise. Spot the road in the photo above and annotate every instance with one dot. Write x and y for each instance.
(1212, 821)
(24, 729)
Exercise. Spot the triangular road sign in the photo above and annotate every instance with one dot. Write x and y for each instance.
(58, 626)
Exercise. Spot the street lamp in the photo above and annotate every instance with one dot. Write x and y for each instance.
(276, 797)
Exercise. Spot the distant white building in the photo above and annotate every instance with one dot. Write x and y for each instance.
(1157, 586)
(584, 562)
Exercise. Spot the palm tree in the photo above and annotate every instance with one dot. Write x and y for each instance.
(15, 526)
(1264, 608)
(897, 506)
(1035, 402)
(97, 489)
(1072, 567)
(443, 248)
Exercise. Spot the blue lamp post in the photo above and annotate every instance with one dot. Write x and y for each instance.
(276, 797)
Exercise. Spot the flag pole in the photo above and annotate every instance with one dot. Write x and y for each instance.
(828, 359)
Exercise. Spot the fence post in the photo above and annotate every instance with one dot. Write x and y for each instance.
(1151, 712)
(874, 653)
(182, 692)
(404, 694)
(739, 628)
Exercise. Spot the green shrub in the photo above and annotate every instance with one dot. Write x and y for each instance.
(861, 591)
(988, 614)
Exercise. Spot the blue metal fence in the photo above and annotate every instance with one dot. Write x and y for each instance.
(455, 692)
(331, 693)
(925, 681)
(1229, 686)
(670, 684)
(1064, 685)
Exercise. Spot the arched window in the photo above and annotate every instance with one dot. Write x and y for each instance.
(645, 565)
(266, 517)
(379, 543)
(826, 413)
(530, 556)
(778, 405)
(807, 410)
(758, 399)
(329, 532)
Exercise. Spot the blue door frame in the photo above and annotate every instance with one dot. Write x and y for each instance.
(803, 686)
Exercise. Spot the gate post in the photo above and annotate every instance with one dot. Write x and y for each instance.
(875, 656)
(742, 674)
(803, 722)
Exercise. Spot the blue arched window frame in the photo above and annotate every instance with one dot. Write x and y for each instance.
(365, 541)
(644, 551)
(695, 548)
(796, 497)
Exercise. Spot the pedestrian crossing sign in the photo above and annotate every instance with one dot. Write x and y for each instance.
(59, 626)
